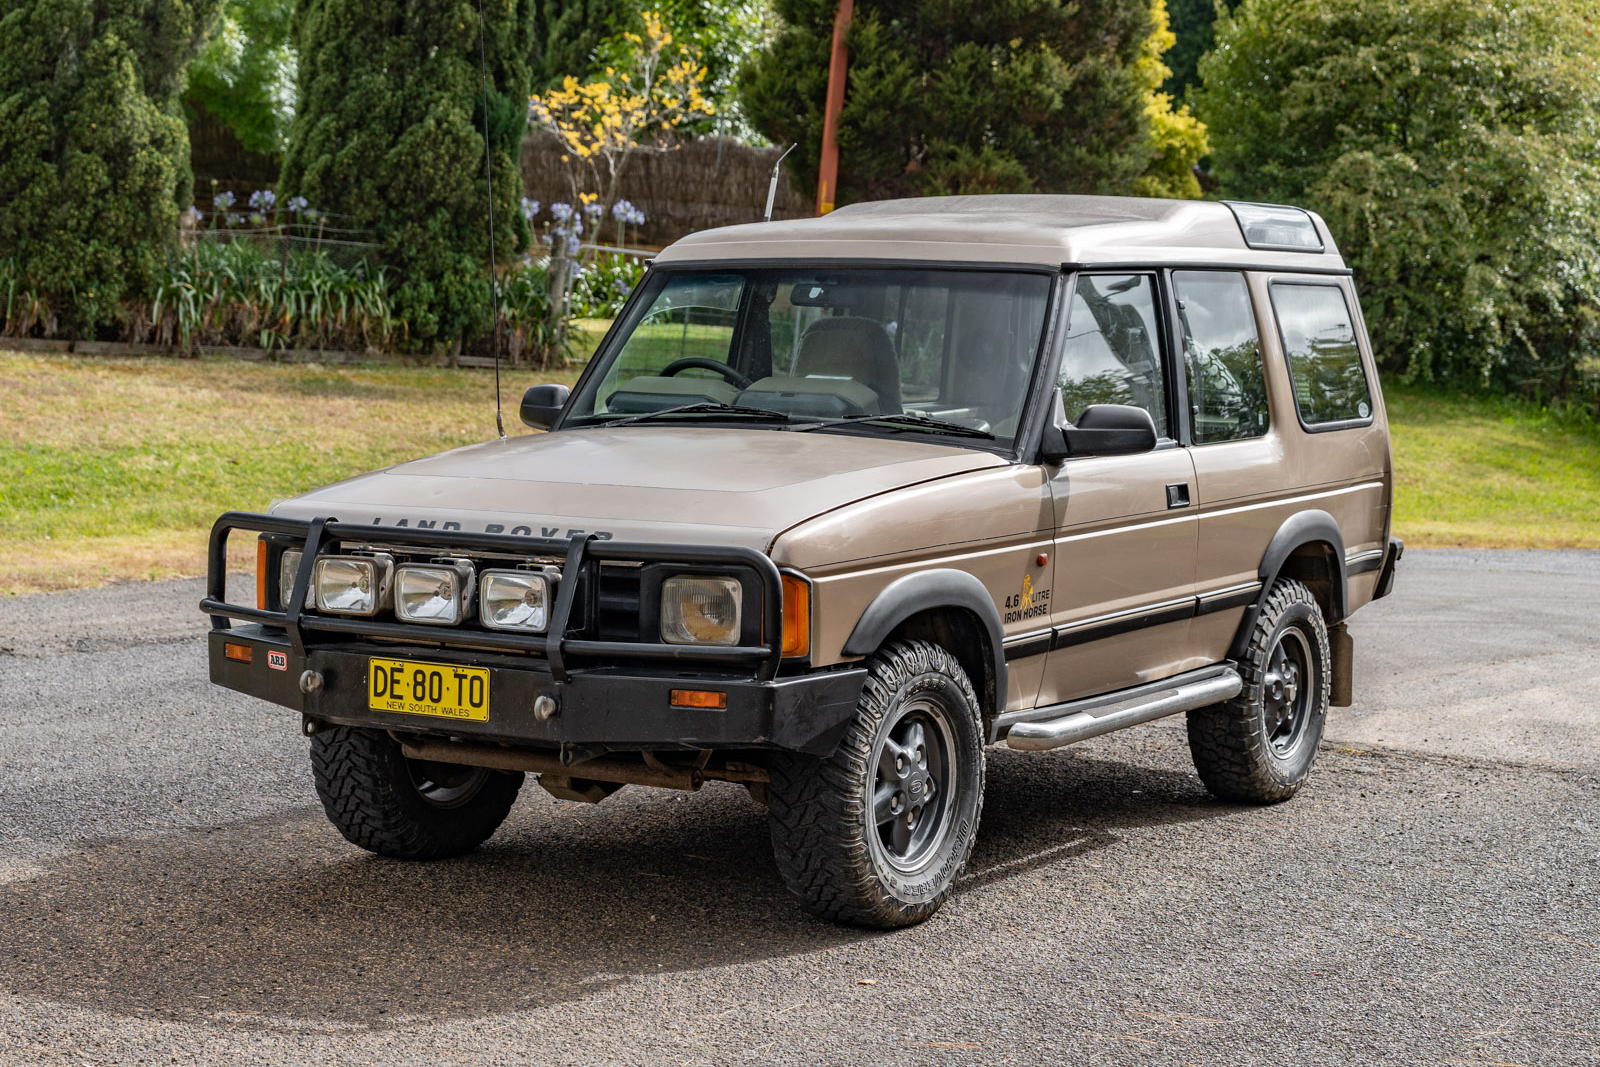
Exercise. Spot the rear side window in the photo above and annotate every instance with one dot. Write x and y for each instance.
(1113, 351)
(1222, 356)
(1319, 341)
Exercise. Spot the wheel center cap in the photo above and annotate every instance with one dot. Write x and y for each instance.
(915, 786)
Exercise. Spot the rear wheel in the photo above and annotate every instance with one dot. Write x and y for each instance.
(1259, 747)
(405, 808)
(876, 834)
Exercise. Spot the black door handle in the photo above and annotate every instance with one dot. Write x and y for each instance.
(1178, 495)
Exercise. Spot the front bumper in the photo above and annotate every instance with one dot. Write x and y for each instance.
(610, 695)
(598, 710)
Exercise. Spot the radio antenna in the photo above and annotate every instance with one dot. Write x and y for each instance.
(772, 188)
(488, 177)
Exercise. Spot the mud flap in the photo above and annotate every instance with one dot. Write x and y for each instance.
(1342, 651)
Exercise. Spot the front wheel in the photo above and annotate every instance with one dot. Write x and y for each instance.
(387, 803)
(1259, 747)
(876, 834)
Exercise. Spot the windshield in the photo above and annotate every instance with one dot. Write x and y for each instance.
(877, 351)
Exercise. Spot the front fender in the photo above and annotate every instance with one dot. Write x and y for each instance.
(927, 591)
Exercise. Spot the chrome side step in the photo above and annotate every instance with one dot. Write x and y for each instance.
(1080, 720)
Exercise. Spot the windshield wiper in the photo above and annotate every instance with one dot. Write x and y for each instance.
(711, 407)
(904, 420)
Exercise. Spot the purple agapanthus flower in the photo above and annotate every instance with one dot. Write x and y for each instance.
(530, 208)
(222, 201)
(263, 199)
(561, 212)
(624, 211)
(296, 205)
(594, 211)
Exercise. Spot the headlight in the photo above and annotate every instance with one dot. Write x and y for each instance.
(515, 600)
(351, 585)
(288, 567)
(700, 611)
(436, 595)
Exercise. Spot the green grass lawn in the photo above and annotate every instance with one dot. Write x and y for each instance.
(1492, 473)
(115, 468)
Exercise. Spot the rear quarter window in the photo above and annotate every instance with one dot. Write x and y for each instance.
(1319, 342)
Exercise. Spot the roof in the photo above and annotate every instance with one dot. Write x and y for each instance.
(1023, 229)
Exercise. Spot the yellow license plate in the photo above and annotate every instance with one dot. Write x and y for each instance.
(439, 689)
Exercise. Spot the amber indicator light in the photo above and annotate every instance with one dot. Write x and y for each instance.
(261, 577)
(699, 698)
(238, 652)
(796, 617)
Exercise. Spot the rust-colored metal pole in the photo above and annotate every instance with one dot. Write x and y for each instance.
(828, 174)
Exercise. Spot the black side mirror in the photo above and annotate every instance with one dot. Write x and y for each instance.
(542, 404)
(1102, 430)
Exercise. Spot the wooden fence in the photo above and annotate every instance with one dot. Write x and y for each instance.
(699, 185)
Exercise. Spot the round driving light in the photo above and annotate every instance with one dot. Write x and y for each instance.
(700, 611)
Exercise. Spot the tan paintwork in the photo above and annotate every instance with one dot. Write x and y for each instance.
(1020, 229)
(1058, 547)
(676, 484)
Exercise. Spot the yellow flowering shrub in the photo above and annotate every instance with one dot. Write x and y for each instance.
(656, 85)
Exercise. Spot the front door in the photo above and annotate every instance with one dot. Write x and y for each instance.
(1125, 540)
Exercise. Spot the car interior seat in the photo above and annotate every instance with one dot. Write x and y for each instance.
(854, 348)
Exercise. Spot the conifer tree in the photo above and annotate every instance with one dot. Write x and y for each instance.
(94, 152)
(388, 133)
(942, 97)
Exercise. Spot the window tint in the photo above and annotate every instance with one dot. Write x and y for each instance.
(1113, 351)
(1319, 340)
(1222, 355)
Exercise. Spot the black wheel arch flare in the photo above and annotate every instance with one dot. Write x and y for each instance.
(930, 591)
(1305, 529)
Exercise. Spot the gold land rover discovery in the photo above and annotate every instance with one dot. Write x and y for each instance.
(838, 503)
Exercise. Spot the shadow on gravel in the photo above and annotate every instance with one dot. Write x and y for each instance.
(279, 923)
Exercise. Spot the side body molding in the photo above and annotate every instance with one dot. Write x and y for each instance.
(924, 591)
(1303, 528)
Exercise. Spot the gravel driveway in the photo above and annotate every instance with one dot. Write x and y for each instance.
(171, 893)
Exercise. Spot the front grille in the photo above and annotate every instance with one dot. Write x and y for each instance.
(617, 606)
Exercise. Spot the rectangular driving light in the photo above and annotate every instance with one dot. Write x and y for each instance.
(433, 595)
(515, 600)
(288, 567)
(350, 585)
(701, 611)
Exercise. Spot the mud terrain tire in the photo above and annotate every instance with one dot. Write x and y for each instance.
(1258, 748)
(403, 808)
(876, 834)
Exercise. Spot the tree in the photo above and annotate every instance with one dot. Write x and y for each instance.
(1177, 139)
(567, 34)
(653, 88)
(1192, 29)
(245, 74)
(389, 132)
(1034, 95)
(1455, 151)
(94, 154)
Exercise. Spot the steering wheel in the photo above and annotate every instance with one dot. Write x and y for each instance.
(733, 377)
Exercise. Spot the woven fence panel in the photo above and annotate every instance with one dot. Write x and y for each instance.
(700, 185)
